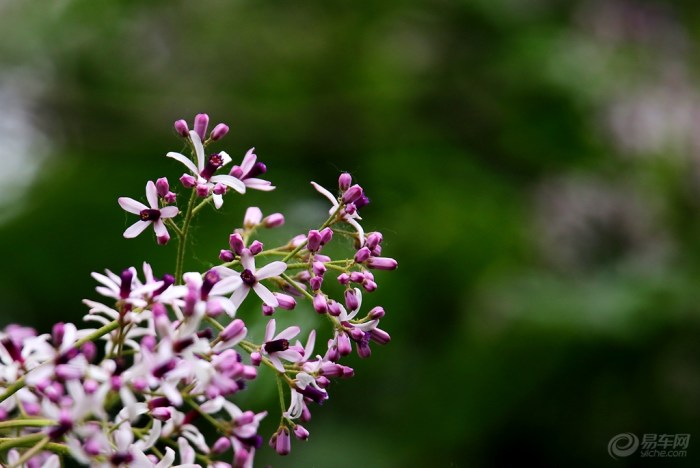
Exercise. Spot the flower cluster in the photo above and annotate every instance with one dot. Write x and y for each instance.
(160, 370)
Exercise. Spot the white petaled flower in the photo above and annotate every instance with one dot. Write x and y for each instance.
(250, 278)
(248, 171)
(351, 219)
(149, 215)
(277, 347)
(204, 171)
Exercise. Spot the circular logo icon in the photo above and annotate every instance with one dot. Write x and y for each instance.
(623, 445)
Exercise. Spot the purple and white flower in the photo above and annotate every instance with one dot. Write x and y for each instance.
(249, 170)
(148, 215)
(203, 174)
(250, 278)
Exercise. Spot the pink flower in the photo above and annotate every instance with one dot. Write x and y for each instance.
(277, 347)
(152, 215)
(248, 171)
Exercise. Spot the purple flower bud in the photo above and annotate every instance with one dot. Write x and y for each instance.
(350, 209)
(344, 279)
(334, 308)
(164, 239)
(226, 255)
(323, 382)
(202, 190)
(315, 283)
(319, 268)
(221, 445)
(219, 132)
(356, 334)
(89, 350)
(181, 128)
(125, 287)
(90, 386)
(314, 241)
(256, 247)
(170, 197)
(235, 329)
(219, 189)
(274, 220)
(331, 369)
(344, 181)
(376, 313)
(320, 304)
(362, 255)
(163, 414)
(162, 187)
(357, 277)
(201, 122)
(235, 241)
(382, 263)
(351, 300)
(255, 358)
(285, 301)
(57, 333)
(300, 432)
(369, 286)
(361, 202)
(363, 349)
(283, 444)
(326, 235)
(188, 181)
(373, 240)
(92, 447)
(149, 341)
(267, 310)
(344, 346)
(379, 336)
(352, 194)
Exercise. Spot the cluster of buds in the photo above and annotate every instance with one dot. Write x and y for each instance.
(160, 370)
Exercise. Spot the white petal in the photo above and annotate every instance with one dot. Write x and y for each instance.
(269, 330)
(248, 161)
(229, 181)
(184, 160)
(259, 184)
(265, 294)
(169, 212)
(239, 295)
(135, 229)
(226, 285)
(359, 229)
(152, 194)
(198, 149)
(288, 333)
(131, 205)
(325, 193)
(225, 158)
(253, 216)
(277, 363)
(247, 261)
(218, 200)
(270, 270)
(160, 228)
(106, 281)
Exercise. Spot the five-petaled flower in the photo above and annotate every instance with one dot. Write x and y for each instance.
(250, 278)
(148, 215)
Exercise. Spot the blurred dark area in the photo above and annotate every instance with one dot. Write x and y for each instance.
(534, 165)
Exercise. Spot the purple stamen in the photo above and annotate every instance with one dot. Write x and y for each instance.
(210, 279)
(248, 278)
(276, 345)
(127, 276)
(257, 169)
(149, 215)
(215, 162)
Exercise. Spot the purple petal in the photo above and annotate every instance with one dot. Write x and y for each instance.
(248, 161)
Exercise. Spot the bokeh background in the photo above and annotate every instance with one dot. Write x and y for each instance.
(533, 164)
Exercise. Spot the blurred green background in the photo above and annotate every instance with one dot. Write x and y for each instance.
(534, 166)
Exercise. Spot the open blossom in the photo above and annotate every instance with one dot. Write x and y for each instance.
(277, 347)
(248, 171)
(148, 215)
(203, 174)
(250, 278)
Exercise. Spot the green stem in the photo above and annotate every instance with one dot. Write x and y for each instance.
(296, 286)
(27, 423)
(325, 224)
(182, 239)
(280, 390)
(31, 452)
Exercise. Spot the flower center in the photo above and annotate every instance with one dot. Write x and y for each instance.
(149, 215)
(215, 162)
(276, 345)
(248, 277)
